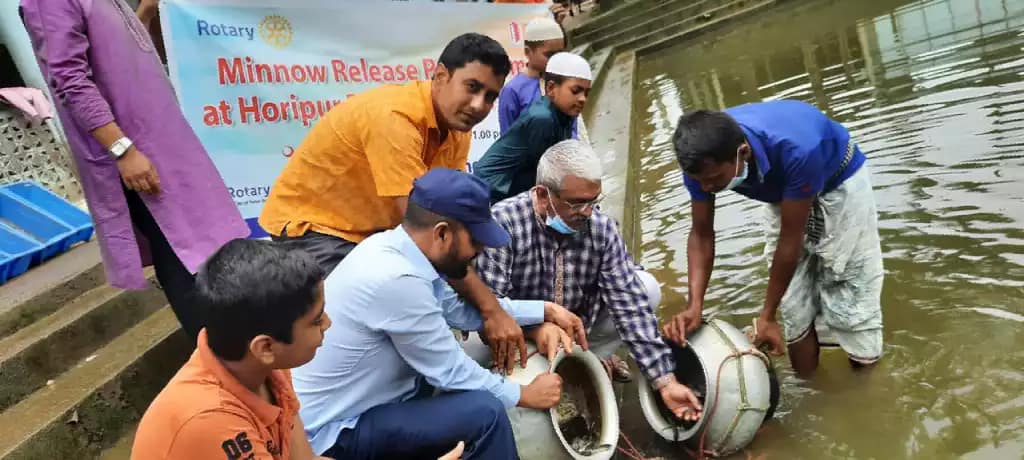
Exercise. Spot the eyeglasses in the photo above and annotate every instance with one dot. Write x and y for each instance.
(581, 206)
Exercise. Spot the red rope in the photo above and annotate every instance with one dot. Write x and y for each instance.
(635, 454)
(714, 406)
(632, 452)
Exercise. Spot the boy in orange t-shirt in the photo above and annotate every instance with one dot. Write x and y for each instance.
(234, 398)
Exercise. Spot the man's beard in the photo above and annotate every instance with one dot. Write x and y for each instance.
(454, 268)
(579, 224)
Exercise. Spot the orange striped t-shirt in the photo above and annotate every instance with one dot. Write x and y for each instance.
(205, 412)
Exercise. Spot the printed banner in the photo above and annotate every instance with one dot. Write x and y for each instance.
(253, 76)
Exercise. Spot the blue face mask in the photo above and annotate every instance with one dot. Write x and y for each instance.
(555, 222)
(741, 175)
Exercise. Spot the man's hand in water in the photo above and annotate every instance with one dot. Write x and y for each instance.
(455, 453)
(681, 401)
(767, 331)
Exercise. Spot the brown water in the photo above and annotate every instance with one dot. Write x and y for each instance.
(933, 93)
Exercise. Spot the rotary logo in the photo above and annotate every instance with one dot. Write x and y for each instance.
(276, 31)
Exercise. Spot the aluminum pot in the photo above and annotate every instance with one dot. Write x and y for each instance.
(537, 433)
(735, 384)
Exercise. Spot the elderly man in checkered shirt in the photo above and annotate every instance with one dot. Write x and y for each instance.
(565, 251)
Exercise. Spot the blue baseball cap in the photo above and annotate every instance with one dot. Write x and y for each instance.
(462, 197)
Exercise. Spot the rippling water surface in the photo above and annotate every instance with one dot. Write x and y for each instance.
(933, 93)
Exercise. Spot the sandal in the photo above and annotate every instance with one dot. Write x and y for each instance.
(617, 369)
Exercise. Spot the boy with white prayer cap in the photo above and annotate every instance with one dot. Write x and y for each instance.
(510, 165)
(544, 38)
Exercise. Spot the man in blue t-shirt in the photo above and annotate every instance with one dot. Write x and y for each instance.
(821, 225)
(544, 38)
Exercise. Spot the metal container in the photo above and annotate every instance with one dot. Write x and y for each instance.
(536, 431)
(733, 377)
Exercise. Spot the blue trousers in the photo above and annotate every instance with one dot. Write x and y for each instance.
(428, 428)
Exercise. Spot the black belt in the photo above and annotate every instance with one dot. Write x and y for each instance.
(816, 221)
(842, 165)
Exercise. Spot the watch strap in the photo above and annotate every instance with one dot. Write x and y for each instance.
(120, 147)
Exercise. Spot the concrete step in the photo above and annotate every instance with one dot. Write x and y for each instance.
(48, 347)
(91, 406)
(44, 289)
(725, 15)
(584, 50)
(667, 32)
(678, 13)
(613, 16)
(122, 449)
(641, 12)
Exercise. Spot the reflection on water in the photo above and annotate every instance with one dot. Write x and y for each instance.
(932, 91)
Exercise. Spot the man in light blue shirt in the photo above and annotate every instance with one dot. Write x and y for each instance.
(366, 394)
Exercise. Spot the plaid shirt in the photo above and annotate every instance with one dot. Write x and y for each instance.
(597, 272)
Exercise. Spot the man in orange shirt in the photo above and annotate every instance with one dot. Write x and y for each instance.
(351, 176)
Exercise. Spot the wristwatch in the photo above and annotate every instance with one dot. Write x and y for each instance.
(120, 147)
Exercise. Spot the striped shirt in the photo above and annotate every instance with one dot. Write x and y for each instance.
(597, 272)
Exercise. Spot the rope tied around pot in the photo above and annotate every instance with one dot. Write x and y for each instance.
(711, 410)
(744, 402)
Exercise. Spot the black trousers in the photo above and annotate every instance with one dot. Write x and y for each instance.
(177, 282)
(328, 250)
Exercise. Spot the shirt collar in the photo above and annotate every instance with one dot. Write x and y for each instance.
(757, 147)
(428, 102)
(266, 412)
(408, 248)
(560, 117)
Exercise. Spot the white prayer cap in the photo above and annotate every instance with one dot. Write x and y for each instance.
(542, 29)
(569, 65)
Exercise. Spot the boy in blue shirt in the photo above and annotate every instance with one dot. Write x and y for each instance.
(821, 225)
(544, 38)
(510, 165)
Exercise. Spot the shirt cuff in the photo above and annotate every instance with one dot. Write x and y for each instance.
(94, 118)
(661, 368)
(525, 312)
(660, 382)
(509, 393)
